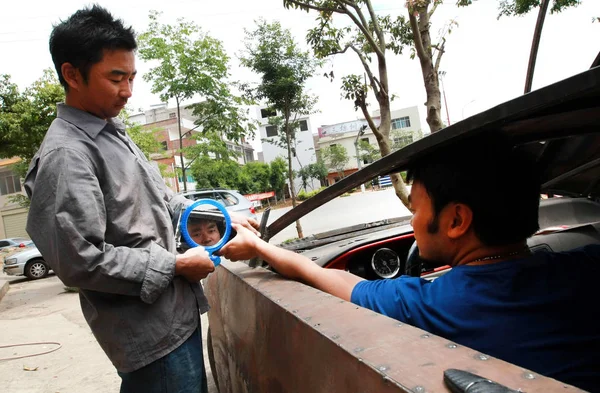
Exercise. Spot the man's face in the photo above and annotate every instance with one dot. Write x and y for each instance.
(204, 232)
(109, 84)
(433, 245)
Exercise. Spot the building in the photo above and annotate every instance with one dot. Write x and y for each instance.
(162, 121)
(303, 152)
(406, 128)
(13, 217)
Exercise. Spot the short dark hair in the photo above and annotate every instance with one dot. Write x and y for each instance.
(83, 37)
(499, 183)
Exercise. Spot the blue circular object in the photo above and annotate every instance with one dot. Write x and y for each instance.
(188, 239)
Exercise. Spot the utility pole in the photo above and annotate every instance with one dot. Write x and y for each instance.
(360, 133)
(443, 74)
(181, 145)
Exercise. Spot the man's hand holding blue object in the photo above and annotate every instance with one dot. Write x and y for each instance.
(194, 264)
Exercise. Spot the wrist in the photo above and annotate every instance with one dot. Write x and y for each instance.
(180, 263)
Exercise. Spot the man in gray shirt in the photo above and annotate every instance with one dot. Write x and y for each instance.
(101, 216)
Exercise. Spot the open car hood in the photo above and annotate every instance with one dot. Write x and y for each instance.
(559, 123)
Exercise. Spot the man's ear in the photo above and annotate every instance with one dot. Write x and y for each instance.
(461, 217)
(71, 75)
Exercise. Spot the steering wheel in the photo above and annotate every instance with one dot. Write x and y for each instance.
(212, 250)
(414, 263)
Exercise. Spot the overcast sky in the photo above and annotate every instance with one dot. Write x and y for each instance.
(485, 61)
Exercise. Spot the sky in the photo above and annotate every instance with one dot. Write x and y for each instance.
(485, 61)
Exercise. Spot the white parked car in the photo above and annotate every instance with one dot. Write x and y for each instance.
(28, 262)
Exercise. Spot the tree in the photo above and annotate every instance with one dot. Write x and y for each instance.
(367, 152)
(279, 171)
(211, 173)
(317, 171)
(272, 53)
(259, 175)
(371, 36)
(429, 54)
(25, 117)
(336, 157)
(191, 63)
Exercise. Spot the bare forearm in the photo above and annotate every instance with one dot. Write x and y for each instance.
(287, 263)
(296, 266)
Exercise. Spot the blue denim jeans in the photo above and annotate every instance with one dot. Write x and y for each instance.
(181, 371)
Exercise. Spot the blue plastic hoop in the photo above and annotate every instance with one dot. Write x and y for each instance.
(210, 249)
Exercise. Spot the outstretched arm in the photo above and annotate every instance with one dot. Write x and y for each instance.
(246, 245)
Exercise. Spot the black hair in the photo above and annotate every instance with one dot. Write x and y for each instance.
(498, 182)
(83, 37)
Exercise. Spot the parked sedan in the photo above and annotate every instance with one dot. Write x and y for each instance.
(14, 242)
(232, 200)
(28, 262)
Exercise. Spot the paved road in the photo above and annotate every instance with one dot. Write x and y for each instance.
(42, 311)
(355, 209)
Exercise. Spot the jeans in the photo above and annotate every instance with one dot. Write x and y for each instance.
(181, 371)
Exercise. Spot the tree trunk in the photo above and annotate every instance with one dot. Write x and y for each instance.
(422, 39)
(382, 134)
(290, 171)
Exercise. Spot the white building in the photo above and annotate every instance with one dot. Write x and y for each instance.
(406, 128)
(304, 149)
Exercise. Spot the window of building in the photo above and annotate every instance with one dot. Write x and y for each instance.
(271, 131)
(249, 156)
(401, 122)
(266, 113)
(333, 144)
(9, 183)
(303, 125)
(365, 140)
(172, 115)
(164, 145)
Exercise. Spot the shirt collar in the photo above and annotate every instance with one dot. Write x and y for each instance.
(87, 122)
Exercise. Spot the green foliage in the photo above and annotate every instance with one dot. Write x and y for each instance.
(253, 177)
(367, 152)
(317, 171)
(279, 172)
(272, 53)
(190, 62)
(522, 7)
(303, 195)
(25, 117)
(259, 175)
(336, 157)
(209, 173)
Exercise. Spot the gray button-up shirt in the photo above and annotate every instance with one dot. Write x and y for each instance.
(100, 216)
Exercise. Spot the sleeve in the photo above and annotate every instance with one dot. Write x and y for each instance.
(392, 297)
(67, 222)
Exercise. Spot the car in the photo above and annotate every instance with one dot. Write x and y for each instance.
(268, 333)
(231, 199)
(14, 242)
(28, 262)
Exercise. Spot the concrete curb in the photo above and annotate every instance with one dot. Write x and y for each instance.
(4, 289)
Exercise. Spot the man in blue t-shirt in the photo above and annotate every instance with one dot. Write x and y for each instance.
(474, 206)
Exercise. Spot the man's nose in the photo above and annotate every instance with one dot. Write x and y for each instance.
(126, 90)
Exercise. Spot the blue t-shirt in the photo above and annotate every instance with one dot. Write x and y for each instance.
(540, 312)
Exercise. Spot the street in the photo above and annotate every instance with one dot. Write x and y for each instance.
(42, 311)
